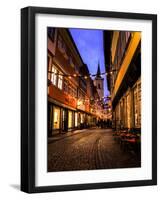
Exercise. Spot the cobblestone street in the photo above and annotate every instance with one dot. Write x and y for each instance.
(87, 150)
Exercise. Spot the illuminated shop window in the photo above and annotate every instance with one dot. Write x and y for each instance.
(128, 110)
(56, 124)
(60, 81)
(137, 105)
(82, 118)
(76, 119)
(69, 119)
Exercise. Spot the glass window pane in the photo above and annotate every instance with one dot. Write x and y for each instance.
(60, 81)
(54, 75)
(56, 119)
(76, 119)
(70, 119)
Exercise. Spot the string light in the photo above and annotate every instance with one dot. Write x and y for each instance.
(86, 77)
(78, 75)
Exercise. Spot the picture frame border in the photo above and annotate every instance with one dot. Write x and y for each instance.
(28, 98)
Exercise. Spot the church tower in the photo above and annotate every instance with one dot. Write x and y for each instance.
(99, 83)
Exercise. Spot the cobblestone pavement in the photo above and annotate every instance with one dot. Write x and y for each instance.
(91, 149)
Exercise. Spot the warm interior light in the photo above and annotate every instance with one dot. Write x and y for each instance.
(79, 103)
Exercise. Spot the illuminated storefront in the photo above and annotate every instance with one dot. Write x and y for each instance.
(76, 119)
(123, 61)
(137, 104)
(82, 118)
(56, 118)
(71, 90)
(70, 119)
(127, 113)
(61, 119)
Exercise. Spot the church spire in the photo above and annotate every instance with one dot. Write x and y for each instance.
(98, 72)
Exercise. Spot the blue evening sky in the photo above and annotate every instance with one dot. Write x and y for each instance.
(90, 46)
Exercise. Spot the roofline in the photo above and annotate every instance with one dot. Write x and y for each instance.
(67, 29)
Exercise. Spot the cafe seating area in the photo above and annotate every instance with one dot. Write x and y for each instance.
(129, 140)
